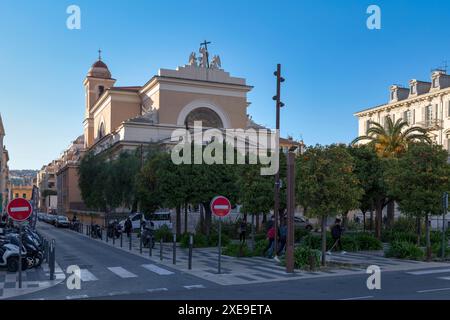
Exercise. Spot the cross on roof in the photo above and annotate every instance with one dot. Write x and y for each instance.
(99, 54)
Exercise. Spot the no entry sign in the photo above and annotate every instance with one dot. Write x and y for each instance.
(220, 206)
(19, 209)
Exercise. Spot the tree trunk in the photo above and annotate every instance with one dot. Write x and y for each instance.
(364, 221)
(371, 219)
(427, 231)
(185, 218)
(202, 219)
(419, 230)
(208, 219)
(258, 226)
(178, 218)
(264, 219)
(324, 240)
(378, 219)
(390, 213)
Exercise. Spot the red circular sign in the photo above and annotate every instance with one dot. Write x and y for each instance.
(220, 206)
(19, 209)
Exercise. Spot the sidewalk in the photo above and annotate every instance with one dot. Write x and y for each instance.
(33, 280)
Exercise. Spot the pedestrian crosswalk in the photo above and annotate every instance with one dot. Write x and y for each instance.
(437, 274)
(121, 272)
(157, 270)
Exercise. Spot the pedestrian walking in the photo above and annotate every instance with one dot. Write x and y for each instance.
(242, 231)
(283, 237)
(336, 233)
(128, 226)
(271, 237)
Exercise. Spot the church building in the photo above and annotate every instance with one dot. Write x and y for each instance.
(119, 118)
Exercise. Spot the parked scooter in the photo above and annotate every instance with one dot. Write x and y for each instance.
(9, 257)
(96, 231)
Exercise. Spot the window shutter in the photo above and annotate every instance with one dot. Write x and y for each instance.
(436, 111)
(414, 116)
(424, 112)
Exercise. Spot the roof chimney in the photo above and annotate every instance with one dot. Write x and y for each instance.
(439, 80)
(398, 93)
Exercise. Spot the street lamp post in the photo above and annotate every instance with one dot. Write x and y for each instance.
(278, 106)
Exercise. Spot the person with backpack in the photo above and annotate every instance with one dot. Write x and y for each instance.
(336, 233)
(283, 237)
(242, 231)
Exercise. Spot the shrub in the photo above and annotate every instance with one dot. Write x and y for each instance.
(368, 242)
(399, 236)
(164, 233)
(436, 248)
(302, 256)
(299, 233)
(200, 241)
(260, 246)
(349, 243)
(260, 236)
(404, 250)
(214, 239)
(404, 224)
(237, 250)
(315, 241)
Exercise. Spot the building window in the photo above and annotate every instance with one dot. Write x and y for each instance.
(448, 108)
(435, 83)
(413, 89)
(429, 113)
(24, 195)
(101, 89)
(407, 116)
(392, 95)
(208, 117)
(16, 195)
(367, 125)
(101, 131)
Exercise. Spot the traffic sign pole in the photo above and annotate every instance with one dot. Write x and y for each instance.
(20, 255)
(221, 207)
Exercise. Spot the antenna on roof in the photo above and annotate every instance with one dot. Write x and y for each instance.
(442, 68)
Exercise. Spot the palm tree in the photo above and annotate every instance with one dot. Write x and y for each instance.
(392, 140)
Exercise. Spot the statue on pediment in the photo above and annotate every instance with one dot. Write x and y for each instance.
(215, 62)
(204, 57)
(193, 59)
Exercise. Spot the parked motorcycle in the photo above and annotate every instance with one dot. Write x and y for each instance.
(96, 231)
(147, 234)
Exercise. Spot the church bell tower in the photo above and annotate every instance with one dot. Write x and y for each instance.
(97, 81)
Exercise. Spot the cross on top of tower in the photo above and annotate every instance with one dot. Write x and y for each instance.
(100, 54)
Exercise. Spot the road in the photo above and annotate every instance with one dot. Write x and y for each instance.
(111, 273)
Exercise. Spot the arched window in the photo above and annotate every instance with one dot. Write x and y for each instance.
(101, 89)
(101, 131)
(208, 117)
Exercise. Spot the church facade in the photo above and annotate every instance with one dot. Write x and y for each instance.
(121, 118)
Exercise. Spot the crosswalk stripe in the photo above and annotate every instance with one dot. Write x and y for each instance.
(76, 297)
(157, 290)
(156, 269)
(121, 272)
(445, 278)
(418, 273)
(86, 275)
(195, 286)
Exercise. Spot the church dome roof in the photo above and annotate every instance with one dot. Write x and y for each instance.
(99, 70)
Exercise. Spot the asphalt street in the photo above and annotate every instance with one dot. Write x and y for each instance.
(111, 273)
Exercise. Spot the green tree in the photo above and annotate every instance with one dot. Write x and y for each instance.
(418, 180)
(326, 184)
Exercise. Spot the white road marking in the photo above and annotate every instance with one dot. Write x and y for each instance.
(157, 290)
(358, 298)
(195, 286)
(81, 296)
(119, 293)
(418, 273)
(86, 275)
(444, 278)
(121, 272)
(156, 269)
(433, 290)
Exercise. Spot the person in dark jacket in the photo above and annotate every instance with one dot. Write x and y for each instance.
(336, 233)
(283, 237)
(128, 226)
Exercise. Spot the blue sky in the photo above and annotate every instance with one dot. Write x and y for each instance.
(332, 63)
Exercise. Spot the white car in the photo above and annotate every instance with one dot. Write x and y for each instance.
(157, 219)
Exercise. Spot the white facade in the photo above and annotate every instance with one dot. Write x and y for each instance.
(424, 104)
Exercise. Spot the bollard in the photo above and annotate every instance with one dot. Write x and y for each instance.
(129, 239)
(191, 244)
(150, 245)
(52, 260)
(160, 249)
(121, 239)
(174, 249)
(140, 242)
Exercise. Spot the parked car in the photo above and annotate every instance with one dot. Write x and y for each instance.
(160, 219)
(51, 218)
(62, 222)
(302, 223)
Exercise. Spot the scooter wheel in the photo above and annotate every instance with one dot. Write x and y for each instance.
(12, 265)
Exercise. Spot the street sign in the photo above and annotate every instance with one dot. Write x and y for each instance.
(220, 206)
(19, 209)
